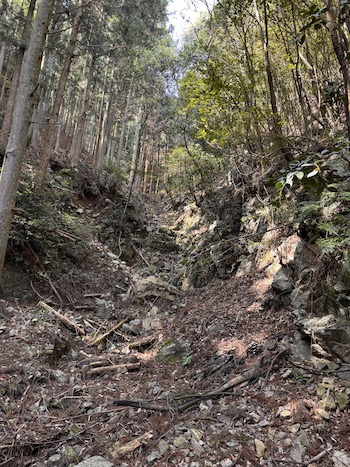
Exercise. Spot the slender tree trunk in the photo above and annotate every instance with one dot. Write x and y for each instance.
(124, 122)
(264, 35)
(15, 150)
(6, 125)
(108, 121)
(78, 138)
(2, 57)
(136, 148)
(53, 121)
(341, 50)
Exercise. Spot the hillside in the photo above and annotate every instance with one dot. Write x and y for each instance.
(117, 358)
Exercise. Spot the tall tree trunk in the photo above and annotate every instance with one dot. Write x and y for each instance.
(341, 50)
(78, 138)
(264, 35)
(53, 122)
(124, 122)
(107, 126)
(136, 148)
(15, 150)
(6, 125)
(2, 57)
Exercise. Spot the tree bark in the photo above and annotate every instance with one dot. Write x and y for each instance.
(136, 148)
(52, 126)
(124, 122)
(77, 143)
(6, 125)
(341, 50)
(16, 146)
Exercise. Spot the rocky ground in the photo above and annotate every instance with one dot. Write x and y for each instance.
(136, 371)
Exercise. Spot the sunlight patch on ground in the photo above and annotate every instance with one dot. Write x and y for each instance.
(239, 346)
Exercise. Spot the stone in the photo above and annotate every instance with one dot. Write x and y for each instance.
(226, 463)
(151, 322)
(153, 286)
(244, 268)
(300, 299)
(95, 461)
(163, 447)
(180, 442)
(342, 400)
(282, 281)
(297, 453)
(55, 459)
(104, 308)
(155, 455)
(341, 459)
(260, 448)
(322, 413)
(285, 413)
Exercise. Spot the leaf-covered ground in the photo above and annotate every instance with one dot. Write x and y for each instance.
(209, 377)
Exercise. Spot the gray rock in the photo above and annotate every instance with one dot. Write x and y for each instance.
(104, 308)
(226, 463)
(332, 334)
(96, 461)
(300, 299)
(153, 286)
(306, 257)
(163, 447)
(282, 281)
(155, 455)
(55, 459)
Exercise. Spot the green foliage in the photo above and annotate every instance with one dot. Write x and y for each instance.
(42, 225)
(190, 170)
(323, 203)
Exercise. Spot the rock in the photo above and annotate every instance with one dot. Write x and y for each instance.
(173, 352)
(300, 299)
(322, 413)
(260, 448)
(180, 442)
(155, 455)
(54, 460)
(342, 400)
(104, 308)
(153, 286)
(226, 463)
(244, 268)
(285, 413)
(341, 459)
(151, 322)
(163, 447)
(306, 257)
(96, 461)
(297, 453)
(282, 281)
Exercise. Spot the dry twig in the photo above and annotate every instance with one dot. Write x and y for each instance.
(64, 320)
(110, 331)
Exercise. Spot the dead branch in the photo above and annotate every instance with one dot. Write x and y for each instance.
(246, 376)
(67, 235)
(132, 445)
(64, 320)
(103, 336)
(142, 342)
(111, 368)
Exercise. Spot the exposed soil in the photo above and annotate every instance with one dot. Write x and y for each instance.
(64, 399)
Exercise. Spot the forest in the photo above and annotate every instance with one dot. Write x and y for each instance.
(174, 234)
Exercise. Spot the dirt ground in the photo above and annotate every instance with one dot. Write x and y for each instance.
(213, 377)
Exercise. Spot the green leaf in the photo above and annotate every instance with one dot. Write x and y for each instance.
(187, 360)
(279, 185)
